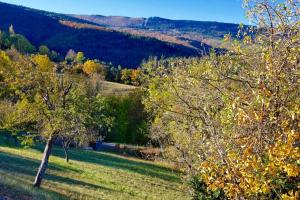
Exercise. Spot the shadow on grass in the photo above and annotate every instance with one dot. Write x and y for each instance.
(112, 160)
(13, 164)
(14, 189)
(12, 168)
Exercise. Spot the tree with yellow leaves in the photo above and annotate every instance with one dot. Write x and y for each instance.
(46, 99)
(91, 67)
(43, 62)
(136, 77)
(232, 121)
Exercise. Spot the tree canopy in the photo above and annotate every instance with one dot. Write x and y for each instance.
(49, 101)
(232, 121)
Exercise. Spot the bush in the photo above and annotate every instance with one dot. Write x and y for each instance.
(130, 124)
(200, 191)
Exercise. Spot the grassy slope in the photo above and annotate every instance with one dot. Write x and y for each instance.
(111, 88)
(90, 175)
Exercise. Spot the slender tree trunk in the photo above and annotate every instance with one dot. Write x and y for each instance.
(66, 153)
(44, 164)
(66, 145)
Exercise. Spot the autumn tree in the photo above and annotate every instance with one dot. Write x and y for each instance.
(50, 102)
(80, 57)
(91, 67)
(136, 77)
(5, 62)
(126, 76)
(232, 121)
(91, 112)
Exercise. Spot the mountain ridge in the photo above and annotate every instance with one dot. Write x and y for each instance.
(121, 40)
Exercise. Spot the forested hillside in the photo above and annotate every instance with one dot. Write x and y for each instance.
(121, 40)
(205, 29)
(59, 33)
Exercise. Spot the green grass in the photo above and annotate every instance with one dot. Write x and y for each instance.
(89, 175)
(111, 88)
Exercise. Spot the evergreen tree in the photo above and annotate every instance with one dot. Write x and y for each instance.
(11, 30)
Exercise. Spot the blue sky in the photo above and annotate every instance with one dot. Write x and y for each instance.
(202, 10)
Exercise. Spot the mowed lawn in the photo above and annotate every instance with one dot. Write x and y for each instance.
(90, 175)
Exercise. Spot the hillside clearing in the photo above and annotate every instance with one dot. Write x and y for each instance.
(111, 88)
(90, 175)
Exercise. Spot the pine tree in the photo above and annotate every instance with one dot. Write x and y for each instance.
(11, 30)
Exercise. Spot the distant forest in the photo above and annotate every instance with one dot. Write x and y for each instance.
(106, 45)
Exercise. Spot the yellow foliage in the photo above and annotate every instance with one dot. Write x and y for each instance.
(291, 195)
(43, 63)
(90, 67)
(234, 119)
(4, 61)
(135, 75)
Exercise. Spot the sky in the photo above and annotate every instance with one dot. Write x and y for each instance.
(230, 11)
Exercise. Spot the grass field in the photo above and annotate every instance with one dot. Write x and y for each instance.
(90, 175)
(117, 89)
